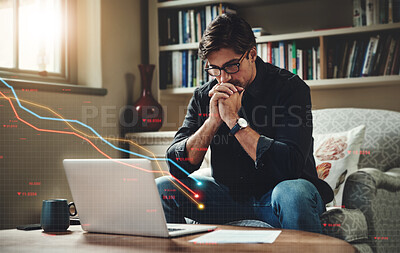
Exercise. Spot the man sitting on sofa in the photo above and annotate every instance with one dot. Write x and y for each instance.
(257, 120)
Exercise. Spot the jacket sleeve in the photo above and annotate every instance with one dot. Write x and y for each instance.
(285, 155)
(178, 163)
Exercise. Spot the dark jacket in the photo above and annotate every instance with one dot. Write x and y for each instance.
(277, 105)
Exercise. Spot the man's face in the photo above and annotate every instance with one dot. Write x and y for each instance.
(225, 57)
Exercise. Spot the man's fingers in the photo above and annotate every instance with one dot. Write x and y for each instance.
(227, 88)
(219, 95)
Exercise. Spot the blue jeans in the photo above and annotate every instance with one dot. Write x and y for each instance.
(292, 204)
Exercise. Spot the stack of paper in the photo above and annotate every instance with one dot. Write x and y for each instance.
(238, 236)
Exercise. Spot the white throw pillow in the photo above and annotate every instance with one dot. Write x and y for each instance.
(336, 157)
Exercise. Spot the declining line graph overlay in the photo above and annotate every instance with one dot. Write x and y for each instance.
(94, 131)
(201, 206)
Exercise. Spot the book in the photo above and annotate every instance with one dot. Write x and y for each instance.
(299, 62)
(184, 68)
(180, 27)
(289, 49)
(192, 27)
(176, 69)
(310, 64)
(357, 18)
(350, 59)
(370, 55)
(389, 59)
(199, 29)
(264, 51)
(336, 54)
(269, 54)
(396, 59)
(370, 12)
(259, 31)
(314, 63)
(189, 68)
(382, 62)
(208, 15)
(383, 11)
(282, 55)
(305, 64)
(185, 27)
(294, 57)
(359, 57)
(344, 60)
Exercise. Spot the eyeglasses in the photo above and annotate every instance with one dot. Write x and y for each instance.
(229, 69)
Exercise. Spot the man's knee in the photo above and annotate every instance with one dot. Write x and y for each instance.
(293, 192)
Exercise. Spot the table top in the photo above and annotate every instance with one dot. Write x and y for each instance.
(76, 240)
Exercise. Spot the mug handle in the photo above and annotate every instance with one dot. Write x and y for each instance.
(69, 209)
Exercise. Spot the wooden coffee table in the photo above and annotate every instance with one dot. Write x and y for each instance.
(76, 240)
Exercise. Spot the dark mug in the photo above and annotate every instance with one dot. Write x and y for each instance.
(55, 215)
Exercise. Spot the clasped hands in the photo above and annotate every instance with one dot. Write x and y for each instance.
(225, 103)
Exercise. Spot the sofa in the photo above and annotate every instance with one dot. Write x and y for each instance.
(370, 219)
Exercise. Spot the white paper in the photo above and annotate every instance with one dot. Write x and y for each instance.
(238, 236)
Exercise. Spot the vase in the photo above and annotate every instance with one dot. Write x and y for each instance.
(149, 112)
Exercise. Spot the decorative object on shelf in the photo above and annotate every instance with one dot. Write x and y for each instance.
(149, 111)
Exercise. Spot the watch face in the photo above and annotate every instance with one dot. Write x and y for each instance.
(242, 122)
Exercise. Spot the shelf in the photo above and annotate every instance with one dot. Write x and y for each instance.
(354, 82)
(175, 47)
(298, 35)
(327, 32)
(196, 3)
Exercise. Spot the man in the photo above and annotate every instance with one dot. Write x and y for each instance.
(258, 124)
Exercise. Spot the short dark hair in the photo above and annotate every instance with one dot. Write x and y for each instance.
(227, 31)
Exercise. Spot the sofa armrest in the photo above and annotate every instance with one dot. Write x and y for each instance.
(389, 180)
(346, 224)
(376, 195)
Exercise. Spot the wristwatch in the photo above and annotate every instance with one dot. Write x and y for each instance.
(240, 124)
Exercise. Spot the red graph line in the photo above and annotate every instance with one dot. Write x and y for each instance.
(70, 133)
(101, 152)
(183, 185)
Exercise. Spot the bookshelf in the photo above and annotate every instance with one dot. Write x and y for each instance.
(309, 22)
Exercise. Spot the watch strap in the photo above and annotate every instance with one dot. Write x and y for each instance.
(235, 129)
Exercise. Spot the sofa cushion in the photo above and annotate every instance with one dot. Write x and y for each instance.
(336, 157)
(347, 224)
(382, 136)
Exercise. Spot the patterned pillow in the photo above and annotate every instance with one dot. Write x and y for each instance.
(336, 157)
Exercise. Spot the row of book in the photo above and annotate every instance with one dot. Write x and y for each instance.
(182, 69)
(373, 12)
(305, 61)
(188, 25)
(375, 55)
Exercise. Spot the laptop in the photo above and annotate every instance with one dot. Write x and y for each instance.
(120, 196)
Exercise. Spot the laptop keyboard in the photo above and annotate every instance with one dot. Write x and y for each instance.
(174, 229)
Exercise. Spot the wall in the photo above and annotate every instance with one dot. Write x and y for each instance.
(28, 155)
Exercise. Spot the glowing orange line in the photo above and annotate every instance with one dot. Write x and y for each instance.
(71, 133)
(101, 152)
